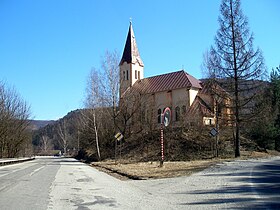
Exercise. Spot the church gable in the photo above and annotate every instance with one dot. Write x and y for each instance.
(200, 113)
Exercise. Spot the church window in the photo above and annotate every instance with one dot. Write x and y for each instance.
(177, 113)
(123, 75)
(135, 74)
(138, 74)
(159, 116)
(144, 114)
(126, 74)
(184, 109)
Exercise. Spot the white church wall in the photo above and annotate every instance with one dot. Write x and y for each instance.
(192, 95)
(180, 97)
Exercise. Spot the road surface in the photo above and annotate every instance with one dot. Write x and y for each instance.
(62, 183)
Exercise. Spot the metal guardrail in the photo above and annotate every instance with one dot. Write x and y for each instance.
(7, 161)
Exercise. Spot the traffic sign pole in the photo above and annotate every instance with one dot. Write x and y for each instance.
(162, 146)
(165, 121)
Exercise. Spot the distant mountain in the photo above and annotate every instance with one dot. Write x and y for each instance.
(37, 124)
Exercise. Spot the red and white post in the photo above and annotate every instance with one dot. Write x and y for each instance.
(162, 145)
(165, 121)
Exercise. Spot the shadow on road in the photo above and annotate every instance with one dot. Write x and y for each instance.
(257, 188)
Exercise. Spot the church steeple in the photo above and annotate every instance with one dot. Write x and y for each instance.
(131, 64)
(130, 52)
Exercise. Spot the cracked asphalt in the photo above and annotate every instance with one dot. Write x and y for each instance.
(64, 183)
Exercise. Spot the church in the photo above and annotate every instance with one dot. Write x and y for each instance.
(188, 98)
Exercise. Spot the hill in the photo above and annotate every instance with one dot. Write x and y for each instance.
(37, 124)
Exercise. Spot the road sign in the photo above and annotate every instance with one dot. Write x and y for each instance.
(119, 136)
(166, 117)
(214, 132)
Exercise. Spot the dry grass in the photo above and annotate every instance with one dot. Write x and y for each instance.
(151, 170)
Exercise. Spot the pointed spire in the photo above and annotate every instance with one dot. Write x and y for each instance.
(130, 52)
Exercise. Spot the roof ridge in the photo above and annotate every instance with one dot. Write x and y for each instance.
(164, 74)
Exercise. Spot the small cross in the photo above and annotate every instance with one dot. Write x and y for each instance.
(130, 20)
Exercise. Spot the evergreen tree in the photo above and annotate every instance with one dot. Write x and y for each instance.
(265, 130)
(275, 103)
(235, 64)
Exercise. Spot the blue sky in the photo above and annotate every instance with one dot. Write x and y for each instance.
(48, 47)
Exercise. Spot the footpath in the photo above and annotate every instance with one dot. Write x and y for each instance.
(7, 161)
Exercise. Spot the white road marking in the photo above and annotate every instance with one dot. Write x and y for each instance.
(11, 172)
(36, 170)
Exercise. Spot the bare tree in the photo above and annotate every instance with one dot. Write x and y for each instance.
(93, 100)
(110, 83)
(63, 135)
(102, 94)
(132, 113)
(235, 64)
(14, 115)
(89, 121)
(105, 113)
(45, 143)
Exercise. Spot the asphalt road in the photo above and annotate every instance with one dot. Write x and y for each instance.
(60, 183)
(26, 185)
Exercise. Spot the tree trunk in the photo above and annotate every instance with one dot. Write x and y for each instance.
(236, 91)
(96, 136)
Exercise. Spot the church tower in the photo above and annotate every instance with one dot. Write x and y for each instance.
(131, 65)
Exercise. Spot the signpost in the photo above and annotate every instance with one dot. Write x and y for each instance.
(214, 132)
(165, 121)
(118, 137)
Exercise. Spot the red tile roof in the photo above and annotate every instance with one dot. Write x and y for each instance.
(165, 82)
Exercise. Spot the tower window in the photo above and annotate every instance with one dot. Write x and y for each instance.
(135, 74)
(138, 74)
(123, 75)
(126, 74)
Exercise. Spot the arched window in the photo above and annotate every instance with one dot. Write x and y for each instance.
(159, 116)
(177, 113)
